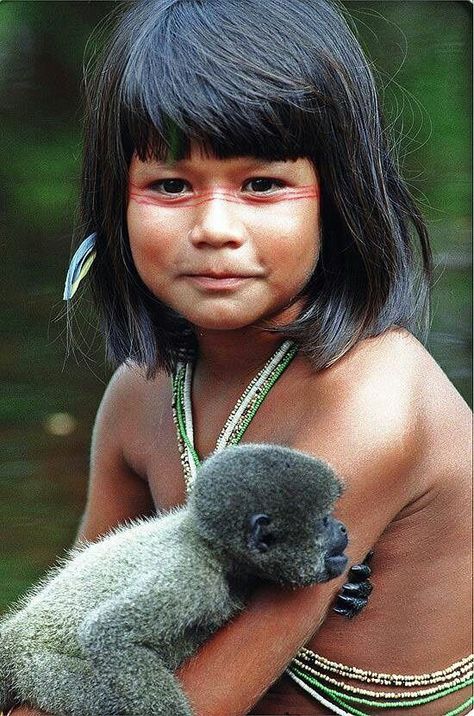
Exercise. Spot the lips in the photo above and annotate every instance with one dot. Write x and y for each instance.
(335, 565)
(220, 274)
(218, 282)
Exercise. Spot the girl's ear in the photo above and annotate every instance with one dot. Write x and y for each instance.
(256, 538)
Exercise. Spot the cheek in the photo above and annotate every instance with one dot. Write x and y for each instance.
(296, 240)
(153, 240)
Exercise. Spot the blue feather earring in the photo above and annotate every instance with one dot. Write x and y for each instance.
(80, 265)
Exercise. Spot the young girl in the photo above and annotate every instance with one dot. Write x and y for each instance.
(251, 236)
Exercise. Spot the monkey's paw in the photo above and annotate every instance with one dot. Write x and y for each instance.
(354, 594)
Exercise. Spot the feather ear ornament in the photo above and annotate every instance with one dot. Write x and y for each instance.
(80, 265)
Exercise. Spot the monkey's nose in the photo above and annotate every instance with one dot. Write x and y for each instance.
(338, 539)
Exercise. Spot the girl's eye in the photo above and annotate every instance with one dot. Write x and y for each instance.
(170, 186)
(264, 185)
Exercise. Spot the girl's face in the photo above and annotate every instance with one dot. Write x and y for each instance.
(225, 243)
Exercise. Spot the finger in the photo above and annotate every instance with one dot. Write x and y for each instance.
(357, 589)
(359, 572)
(349, 606)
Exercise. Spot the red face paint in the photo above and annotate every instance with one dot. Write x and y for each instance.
(196, 198)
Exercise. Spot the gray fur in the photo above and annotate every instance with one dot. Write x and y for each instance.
(104, 631)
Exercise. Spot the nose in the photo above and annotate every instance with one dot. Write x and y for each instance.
(218, 223)
(335, 560)
(337, 534)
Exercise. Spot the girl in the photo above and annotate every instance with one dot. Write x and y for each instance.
(251, 236)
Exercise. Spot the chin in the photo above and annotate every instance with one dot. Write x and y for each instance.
(230, 320)
(233, 319)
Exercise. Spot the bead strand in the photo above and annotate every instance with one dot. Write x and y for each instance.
(236, 436)
(341, 699)
(333, 708)
(243, 402)
(382, 678)
(344, 698)
(185, 450)
(240, 417)
(464, 679)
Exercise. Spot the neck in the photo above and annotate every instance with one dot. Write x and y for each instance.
(234, 356)
(230, 356)
(240, 574)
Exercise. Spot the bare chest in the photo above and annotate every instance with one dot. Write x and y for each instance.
(155, 451)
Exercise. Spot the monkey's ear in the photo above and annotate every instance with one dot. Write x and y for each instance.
(256, 537)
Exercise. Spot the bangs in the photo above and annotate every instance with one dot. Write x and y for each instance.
(232, 93)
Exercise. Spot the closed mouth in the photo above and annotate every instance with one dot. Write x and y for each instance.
(220, 276)
(336, 564)
(337, 549)
(221, 282)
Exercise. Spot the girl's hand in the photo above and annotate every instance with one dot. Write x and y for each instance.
(26, 711)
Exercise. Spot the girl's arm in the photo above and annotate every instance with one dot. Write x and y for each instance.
(233, 669)
(116, 493)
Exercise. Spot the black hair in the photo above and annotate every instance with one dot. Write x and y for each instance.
(277, 80)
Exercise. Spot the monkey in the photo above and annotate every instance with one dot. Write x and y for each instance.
(105, 630)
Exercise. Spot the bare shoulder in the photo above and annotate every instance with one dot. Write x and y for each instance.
(390, 422)
(428, 404)
(373, 395)
(391, 386)
(118, 489)
(129, 388)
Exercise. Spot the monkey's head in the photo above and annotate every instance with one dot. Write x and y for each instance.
(267, 509)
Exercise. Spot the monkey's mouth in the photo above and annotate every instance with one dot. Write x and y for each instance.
(335, 560)
(335, 564)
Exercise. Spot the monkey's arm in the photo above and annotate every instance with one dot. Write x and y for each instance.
(354, 594)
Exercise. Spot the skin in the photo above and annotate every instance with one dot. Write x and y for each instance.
(385, 416)
(238, 239)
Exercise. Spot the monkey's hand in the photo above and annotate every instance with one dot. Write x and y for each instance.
(354, 594)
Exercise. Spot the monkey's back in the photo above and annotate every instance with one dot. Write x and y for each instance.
(49, 616)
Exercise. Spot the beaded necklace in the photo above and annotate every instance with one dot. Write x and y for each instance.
(309, 669)
(240, 416)
(312, 671)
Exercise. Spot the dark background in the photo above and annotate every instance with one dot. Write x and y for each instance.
(422, 59)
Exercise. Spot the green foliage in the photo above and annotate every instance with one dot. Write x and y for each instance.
(421, 52)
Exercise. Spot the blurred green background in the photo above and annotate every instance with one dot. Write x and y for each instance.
(421, 52)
